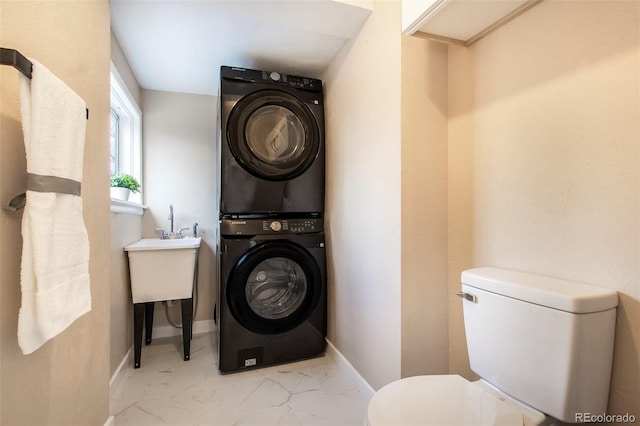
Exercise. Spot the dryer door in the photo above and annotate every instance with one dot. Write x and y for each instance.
(273, 135)
(274, 287)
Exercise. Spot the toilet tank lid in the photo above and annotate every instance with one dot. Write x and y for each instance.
(546, 291)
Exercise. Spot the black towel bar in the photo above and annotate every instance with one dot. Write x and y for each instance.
(18, 61)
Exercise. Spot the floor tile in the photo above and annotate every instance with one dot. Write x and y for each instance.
(169, 391)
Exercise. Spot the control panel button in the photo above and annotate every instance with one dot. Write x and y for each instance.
(275, 76)
(275, 226)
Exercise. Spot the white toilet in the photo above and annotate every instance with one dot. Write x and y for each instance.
(543, 348)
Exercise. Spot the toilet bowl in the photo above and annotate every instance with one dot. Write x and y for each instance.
(447, 401)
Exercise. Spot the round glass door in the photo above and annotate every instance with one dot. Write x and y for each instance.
(274, 287)
(273, 135)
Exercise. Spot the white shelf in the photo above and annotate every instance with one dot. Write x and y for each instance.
(461, 22)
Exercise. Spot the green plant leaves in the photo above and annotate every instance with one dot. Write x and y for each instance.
(123, 180)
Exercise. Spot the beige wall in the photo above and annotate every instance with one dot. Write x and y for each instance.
(386, 106)
(544, 161)
(179, 163)
(362, 219)
(425, 340)
(125, 229)
(66, 381)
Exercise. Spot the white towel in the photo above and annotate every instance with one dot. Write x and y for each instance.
(55, 253)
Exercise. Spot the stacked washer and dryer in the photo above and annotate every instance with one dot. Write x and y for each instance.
(272, 291)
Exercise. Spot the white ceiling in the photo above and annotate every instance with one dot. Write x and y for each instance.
(179, 46)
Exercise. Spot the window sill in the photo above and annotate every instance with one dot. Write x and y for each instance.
(127, 207)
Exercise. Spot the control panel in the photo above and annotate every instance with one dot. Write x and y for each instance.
(270, 226)
(292, 80)
(271, 77)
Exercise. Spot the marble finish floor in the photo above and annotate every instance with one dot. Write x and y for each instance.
(165, 390)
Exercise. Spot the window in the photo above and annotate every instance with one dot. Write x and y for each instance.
(126, 132)
(114, 136)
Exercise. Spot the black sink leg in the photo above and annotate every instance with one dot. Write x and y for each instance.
(187, 316)
(138, 322)
(143, 318)
(148, 321)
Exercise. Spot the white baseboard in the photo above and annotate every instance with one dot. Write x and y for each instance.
(199, 327)
(109, 421)
(120, 372)
(352, 374)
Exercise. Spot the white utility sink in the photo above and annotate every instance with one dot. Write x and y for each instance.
(162, 269)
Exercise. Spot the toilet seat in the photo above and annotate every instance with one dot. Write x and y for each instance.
(446, 400)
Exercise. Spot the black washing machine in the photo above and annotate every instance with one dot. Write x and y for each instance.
(271, 143)
(272, 298)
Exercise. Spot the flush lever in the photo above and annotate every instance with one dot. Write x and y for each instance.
(468, 296)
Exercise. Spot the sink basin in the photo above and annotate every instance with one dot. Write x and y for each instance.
(162, 269)
(168, 244)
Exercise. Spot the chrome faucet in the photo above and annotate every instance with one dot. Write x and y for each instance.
(171, 217)
(170, 235)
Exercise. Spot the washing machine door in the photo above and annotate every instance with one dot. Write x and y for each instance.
(273, 135)
(274, 287)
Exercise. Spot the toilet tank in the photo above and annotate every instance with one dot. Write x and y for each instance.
(544, 341)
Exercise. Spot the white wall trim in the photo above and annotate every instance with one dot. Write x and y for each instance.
(127, 207)
(199, 327)
(110, 421)
(117, 377)
(352, 374)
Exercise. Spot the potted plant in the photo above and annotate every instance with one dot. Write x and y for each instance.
(122, 185)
